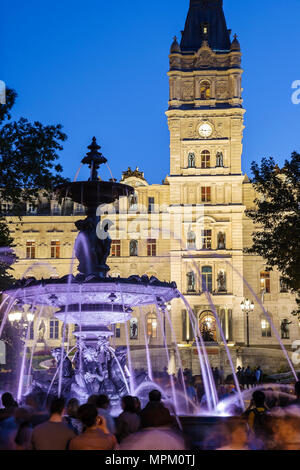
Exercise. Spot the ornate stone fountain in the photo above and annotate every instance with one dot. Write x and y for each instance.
(92, 300)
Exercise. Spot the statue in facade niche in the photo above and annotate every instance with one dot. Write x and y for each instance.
(207, 334)
(219, 160)
(191, 282)
(191, 240)
(133, 248)
(133, 328)
(221, 241)
(285, 330)
(41, 332)
(221, 282)
(191, 160)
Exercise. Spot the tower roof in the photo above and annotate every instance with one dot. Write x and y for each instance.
(205, 22)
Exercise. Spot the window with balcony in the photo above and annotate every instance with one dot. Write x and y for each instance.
(115, 248)
(151, 247)
(207, 279)
(152, 326)
(30, 249)
(206, 194)
(54, 329)
(151, 204)
(265, 282)
(266, 330)
(55, 249)
(205, 159)
(206, 239)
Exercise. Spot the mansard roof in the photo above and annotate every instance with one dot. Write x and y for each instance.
(205, 22)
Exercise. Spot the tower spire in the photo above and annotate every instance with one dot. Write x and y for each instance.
(205, 22)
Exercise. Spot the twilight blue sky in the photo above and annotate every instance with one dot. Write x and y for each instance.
(99, 68)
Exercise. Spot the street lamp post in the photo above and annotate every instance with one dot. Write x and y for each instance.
(247, 306)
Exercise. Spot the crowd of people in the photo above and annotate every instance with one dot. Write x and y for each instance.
(271, 421)
(70, 426)
(248, 377)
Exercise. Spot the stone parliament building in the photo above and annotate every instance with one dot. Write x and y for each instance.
(205, 119)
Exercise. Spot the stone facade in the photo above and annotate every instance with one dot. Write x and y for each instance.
(206, 123)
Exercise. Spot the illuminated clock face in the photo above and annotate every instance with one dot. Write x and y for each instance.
(205, 130)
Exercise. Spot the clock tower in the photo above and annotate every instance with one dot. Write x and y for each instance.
(205, 112)
(206, 123)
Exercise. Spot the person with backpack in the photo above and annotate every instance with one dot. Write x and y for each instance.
(257, 416)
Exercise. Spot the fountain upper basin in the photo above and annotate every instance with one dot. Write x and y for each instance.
(91, 299)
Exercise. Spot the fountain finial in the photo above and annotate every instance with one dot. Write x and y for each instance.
(94, 159)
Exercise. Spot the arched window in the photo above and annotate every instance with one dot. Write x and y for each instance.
(208, 327)
(205, 90)
(134, 328)
(206, 278)
(152, 326)
(133, 248)
(191, 160)
(205, 159)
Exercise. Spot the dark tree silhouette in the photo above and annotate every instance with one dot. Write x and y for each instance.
(277, 219)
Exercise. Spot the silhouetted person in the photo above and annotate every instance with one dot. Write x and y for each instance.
(258, 376)
(129, 421)
(155, 414)
(103, 404)
(257, 416)
(9, 404)
(96, 435)
(54, 434)
(35, 404)
(8, 424)
(71, 417)
(248, 377)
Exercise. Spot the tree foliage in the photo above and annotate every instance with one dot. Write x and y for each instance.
(28, 166)
(277, 218)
